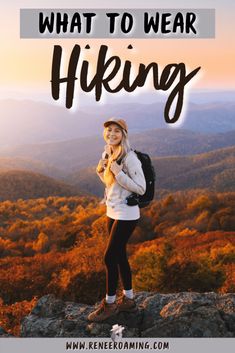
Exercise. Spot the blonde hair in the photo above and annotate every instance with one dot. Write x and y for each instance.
(119, 154)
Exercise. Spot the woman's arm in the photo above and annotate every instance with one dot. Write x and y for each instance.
(135, 180)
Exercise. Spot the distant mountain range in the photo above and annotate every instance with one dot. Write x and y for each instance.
(61, 158)
(26, 185)
(213, 170)
(27, 122)
(209, 118)
(183, 158)
(15, 163)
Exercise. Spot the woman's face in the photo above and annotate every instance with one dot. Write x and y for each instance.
(113, 135)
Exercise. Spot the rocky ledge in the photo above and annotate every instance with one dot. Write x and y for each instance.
(186, 314)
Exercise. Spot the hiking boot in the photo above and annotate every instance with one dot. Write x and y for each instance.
(127, 304)
(103, 312)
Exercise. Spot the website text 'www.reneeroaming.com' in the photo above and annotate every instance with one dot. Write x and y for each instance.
(125, 345)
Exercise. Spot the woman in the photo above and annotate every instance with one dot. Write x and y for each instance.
(121, 171)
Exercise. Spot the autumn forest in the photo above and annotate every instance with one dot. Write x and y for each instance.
(184, 242)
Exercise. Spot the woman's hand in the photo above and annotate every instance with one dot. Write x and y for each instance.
(115, 168)
(108, 150)
(101, 165)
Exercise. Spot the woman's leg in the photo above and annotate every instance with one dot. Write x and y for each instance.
(110, 298)
(125, 230)
(115, 258)
(115, 255)
(110, 259)
(110, 222)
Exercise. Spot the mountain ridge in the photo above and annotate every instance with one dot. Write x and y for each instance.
(160, 142)
(20, 184)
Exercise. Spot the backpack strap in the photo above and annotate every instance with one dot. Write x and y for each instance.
(122, 160)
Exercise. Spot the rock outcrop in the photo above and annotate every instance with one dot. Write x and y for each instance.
(186, 314)
(3, 333)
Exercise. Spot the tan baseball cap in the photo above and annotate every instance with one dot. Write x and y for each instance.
(119, 122)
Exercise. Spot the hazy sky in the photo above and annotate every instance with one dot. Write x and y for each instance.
(25, 64)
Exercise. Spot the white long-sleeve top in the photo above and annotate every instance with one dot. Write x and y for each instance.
(130, 179)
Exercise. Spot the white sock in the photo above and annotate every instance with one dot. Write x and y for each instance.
(128, 293)
(110, 299)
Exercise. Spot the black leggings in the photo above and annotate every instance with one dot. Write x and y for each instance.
(115, 256)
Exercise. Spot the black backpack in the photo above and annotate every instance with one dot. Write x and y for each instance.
(150, 177)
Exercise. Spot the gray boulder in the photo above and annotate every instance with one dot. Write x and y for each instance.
(186, 314)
